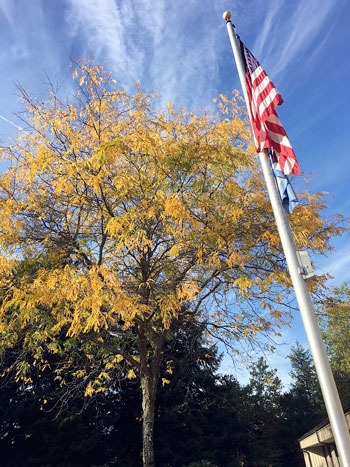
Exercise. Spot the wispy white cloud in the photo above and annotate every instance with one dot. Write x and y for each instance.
(108, 29)
(152, 16)
(158, 44)
(28, 34)
(289, 31)
(184, 64)
(10, 123)
(264, 39)
(306, 23)
(17, 46)
(338, 265)
(7, 7)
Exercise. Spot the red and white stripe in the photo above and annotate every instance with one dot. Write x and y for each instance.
(268, 130)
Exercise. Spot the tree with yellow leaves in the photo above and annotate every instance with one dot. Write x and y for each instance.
(143, 216)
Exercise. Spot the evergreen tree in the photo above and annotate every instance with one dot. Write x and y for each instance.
(335, 315)
(263, 411)
(302, 405)
(199, 411)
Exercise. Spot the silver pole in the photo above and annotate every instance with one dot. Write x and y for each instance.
(329, 390)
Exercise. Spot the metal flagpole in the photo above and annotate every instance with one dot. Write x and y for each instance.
(323, 369)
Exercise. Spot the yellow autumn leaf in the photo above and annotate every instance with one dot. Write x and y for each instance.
(243, 283)
(131, 374)
(89, 390)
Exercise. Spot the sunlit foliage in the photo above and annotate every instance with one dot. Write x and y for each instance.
(132, 217)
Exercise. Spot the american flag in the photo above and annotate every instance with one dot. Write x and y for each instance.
(268, 130)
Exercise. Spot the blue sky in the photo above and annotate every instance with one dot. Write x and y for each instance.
(181, 51)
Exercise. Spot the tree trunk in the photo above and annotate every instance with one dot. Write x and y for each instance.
(149, 388)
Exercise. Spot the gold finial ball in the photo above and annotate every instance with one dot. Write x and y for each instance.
(227, 16)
